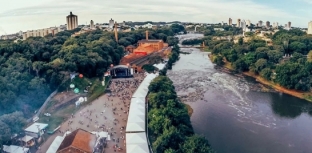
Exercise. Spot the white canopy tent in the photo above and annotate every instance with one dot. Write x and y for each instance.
(15, 149)
(135, 127)
(140, 93)
(136, 123)
(137, 109)
(136, 143)
(55, 144)
(26, 138)
(138, 100)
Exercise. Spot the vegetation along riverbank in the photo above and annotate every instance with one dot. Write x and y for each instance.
(281, 60)
(169, 124)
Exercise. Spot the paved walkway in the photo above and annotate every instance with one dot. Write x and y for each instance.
(107, 113)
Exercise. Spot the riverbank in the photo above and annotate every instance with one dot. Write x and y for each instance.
(299, 94)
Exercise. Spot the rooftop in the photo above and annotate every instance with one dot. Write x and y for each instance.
(34, 128)
(149, 41)
(79, 139)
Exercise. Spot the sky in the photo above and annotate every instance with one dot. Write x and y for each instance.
(16, 15)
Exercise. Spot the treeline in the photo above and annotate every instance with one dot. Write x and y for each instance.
(293, 71)
(32, 69)
(174, 56)
(192, 42)
(170, 129)
(10, 124)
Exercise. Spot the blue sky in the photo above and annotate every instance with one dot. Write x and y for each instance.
(25, 15)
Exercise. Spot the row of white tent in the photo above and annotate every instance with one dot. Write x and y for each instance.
(136, 141)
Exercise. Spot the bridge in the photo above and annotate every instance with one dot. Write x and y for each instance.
(192, 47)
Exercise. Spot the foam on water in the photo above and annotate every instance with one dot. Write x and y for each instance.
(194, 74)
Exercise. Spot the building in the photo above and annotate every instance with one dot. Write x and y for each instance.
(147, 46)
(72, 21)
(310, 28)
(248, 23)
(238, 23)
(243, 25)
(260, 23)
(230, 22)
(289, 25)
(36, 130)
(40, 32)
(267, 24)
(79, 141)
(111, 23)
(148, 25)
(15, 149)
(92, 24)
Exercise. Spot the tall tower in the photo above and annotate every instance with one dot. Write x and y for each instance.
(248, 23)
(116, 33)
(310, 28)
(146, 34)
(243, 25)
(238, 23)
(230, 21)
(91, 24)
(289, 25)
(267, 24)
(260, 23)
(72, 21)
(111, 23)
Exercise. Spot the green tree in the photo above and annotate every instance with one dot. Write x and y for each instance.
(266, 73)
(196, 144)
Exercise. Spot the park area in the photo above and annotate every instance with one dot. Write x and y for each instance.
(62, 105)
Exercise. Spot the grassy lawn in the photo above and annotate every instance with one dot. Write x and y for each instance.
(59, 116)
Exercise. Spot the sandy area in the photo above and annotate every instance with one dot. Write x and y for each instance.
(107, 113)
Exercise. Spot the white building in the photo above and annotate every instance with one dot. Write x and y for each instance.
(310, 28)
(111, 23)
(148, 25)
(15, 149)
(248, 23)
(218, 29)
(92, 24)
(243, 25)
(40, 32)
(36, 130)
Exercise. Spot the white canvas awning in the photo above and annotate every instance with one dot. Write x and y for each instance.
(140, 93)
(34, 128)
(14, 149)
(138, 100)
(26, 138)
(55, 144)
(136, 122)
(136, 143)
(135, 127)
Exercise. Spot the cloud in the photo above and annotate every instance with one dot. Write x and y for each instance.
(142, 10)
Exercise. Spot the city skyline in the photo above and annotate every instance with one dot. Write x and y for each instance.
(19, 15)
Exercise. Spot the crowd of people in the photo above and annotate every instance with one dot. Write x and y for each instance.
(108, 113)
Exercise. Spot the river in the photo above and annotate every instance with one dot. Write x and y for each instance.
(235, 119)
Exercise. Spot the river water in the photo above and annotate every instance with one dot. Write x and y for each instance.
(235, 119)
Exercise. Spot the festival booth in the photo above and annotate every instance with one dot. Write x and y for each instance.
(27, 140)
(15, 149)
(136, 143)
